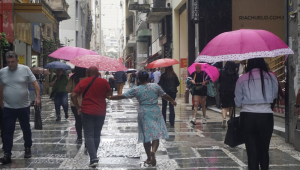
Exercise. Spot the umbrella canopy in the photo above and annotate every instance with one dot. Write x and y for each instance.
(130, 70)
(212, 71)
(58, 65)
(40, 70)
(103, 63)
(69, 53)
(242, 45)
(165, 62)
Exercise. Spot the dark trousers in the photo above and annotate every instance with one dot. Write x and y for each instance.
(10, 117)
(258, 129)
(78, 123)
(92, 126)
(171, 108)
(2, 125)
(61, 99)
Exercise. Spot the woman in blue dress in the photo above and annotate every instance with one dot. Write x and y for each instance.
(151, 124)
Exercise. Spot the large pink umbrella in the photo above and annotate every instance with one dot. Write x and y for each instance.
(242, 45)
(165, 62)
(212, 71)
(103, 63)
(69, 53)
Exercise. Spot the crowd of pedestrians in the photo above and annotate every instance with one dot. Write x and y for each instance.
(253, 87)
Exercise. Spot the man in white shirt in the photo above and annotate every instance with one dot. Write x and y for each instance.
(156, 76)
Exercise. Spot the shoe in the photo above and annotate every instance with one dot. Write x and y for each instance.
(94, 163)
(58, 118)
(66, 116)
(27, 153)
(193, 121)
(79, 141)
(204, 121)
(224, 123)
(6, 159)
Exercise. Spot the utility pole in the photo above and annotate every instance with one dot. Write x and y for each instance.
(100, 32)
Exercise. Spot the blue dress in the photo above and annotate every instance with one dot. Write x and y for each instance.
(151, 124)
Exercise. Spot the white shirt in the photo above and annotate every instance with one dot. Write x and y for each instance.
(156, 75)
(107, 77)
(241, 69)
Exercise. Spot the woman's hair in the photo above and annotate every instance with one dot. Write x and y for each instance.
(260, 64)
(143, 76)
(169, 71)
(79, 73)
(107, 73)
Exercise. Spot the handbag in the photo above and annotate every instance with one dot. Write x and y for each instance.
(211, 90)
(53, 94)
(234, 135)
(87, 88)
(37, 118)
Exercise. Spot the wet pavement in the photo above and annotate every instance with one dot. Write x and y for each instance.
(189, 147)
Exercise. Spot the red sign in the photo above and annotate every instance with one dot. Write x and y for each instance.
(6, 17)
(183, 62)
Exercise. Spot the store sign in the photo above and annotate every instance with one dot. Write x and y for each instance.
(183, 62)
(21, 59)
(196, 11)
(7, 19)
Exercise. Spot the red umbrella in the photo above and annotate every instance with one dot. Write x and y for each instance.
(165, 62)
(69, 53)
(103, 63)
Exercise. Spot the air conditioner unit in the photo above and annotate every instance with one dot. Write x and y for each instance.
(37, 32)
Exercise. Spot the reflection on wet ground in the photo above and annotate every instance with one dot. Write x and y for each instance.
(188, 147)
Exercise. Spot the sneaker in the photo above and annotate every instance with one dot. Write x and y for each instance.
(193, 121)
(79, 141)
(204, 121)
(224, 123)
(58, 118)
(27, 153)
(94, 163)
(6, 159)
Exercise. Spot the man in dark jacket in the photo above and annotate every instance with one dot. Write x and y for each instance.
(121, 78)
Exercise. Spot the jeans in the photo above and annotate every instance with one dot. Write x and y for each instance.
(258, 129)
(92, 126)
(61, 99)
(78, 123)
(171, 108)
(9, 117)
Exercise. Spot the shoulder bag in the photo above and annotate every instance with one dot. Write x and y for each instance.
(87, 88)
(234, 135)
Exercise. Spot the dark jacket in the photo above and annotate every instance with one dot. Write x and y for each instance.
(120, 77)
(228, 77)
(169, 84)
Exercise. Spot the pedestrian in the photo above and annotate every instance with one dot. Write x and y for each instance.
(151, 124)
(110, 79)
(80, 74)
(59, 84)
(198, 79)
(169, 82)
(92, 110)
(132, 80)
(227, 80)
(240, 67)
(156, 76)
(254, 92)
(14, 92)
(121, 78)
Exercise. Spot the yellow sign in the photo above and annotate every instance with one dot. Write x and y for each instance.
(21, 59)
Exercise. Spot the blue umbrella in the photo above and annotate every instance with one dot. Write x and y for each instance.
(57, 65)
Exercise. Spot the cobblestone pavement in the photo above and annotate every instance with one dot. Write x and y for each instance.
(189, 147)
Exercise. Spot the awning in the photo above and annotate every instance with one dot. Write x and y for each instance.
(152, 58)
(35, 12)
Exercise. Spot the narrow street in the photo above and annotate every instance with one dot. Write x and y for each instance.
(189, 147)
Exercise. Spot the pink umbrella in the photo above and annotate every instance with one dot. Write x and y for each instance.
(103, 63)
(242, 45)
(212, 71)
(69, 53)
(165, 62)
(70, 75)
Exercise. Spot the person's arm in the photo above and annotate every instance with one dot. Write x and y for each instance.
(74, 97)
(117, 97)
(53, 81)
(238, 94)
(168, 98)
(1, 97)
(297, 110)
(37, 90)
